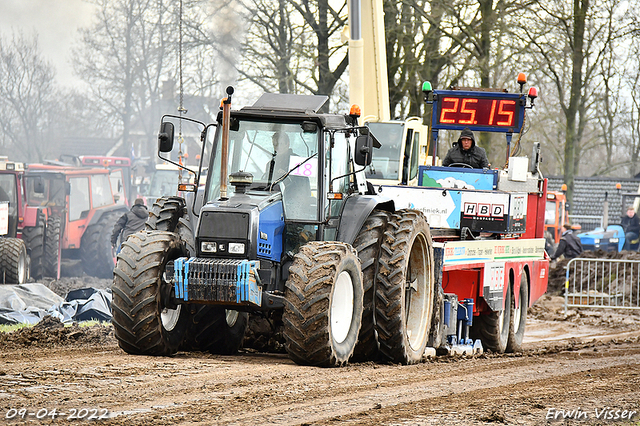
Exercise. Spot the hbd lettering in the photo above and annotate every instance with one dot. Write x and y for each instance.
(483, 210)
(606, 413)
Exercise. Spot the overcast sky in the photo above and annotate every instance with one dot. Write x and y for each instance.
(56, 23)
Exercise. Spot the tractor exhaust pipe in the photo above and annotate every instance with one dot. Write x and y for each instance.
(224, 160)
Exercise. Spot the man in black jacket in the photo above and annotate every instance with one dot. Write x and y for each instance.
(130, 222)
(631, 225)
(569, 244)
(465, 151)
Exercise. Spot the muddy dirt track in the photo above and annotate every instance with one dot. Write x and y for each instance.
(70, 369)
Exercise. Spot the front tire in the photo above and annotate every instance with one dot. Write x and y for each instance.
(216, 330)
(14, 262)
(518, 316)
(404, 288)
(96, 252)
(51, 255)
(323, 304)
(145, 322)
(34, 239)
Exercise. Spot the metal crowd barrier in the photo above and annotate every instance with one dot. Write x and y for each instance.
(602, 283)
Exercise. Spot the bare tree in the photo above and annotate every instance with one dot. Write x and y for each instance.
(125, 56)
(27, 94)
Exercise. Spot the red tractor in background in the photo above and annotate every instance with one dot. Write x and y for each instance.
(119, 173)
(27, 222)
(81, 210)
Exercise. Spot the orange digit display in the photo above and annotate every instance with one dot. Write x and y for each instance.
(453, 110)
(471, 112)
(495, 112)
(507, 112)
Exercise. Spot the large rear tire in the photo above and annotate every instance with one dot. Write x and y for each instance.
(405, 288)
(14, 262)
(367, 244)
(210, 328)
(34, 239)
(165, 214)
(51, 258)
(144, 320)
(97, 255)
(216, 330)
(518, 316)
(323, 304)
(493, 328)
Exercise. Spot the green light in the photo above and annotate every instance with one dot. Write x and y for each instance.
(426, 87)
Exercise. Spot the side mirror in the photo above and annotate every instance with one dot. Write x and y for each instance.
(364, 150)
(38, 186)
(165, 137)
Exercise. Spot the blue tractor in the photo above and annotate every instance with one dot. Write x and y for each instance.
(610, 239)
(300, 239)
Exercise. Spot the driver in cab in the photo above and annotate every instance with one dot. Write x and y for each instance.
(465, 151)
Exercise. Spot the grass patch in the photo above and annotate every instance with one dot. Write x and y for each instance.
(9, 328)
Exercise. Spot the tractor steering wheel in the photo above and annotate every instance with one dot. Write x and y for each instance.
(460, 165)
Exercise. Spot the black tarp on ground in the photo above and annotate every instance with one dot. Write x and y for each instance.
(29, 303)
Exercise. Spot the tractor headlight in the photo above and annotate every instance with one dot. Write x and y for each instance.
(208, 247)
(236, 248)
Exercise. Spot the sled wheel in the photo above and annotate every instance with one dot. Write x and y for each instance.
(34, 238)
(518, 316)
(367, 244)
(14, 262)
(51, 259)
(404, 288)
(144, 320)
(323, 304)
(493, 328)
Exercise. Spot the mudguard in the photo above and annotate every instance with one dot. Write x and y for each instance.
(356, 210)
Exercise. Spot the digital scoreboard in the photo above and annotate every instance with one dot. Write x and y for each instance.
(480, 111)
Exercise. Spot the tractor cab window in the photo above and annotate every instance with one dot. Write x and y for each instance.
(117, 186)
(270, 150)
(8, 193)
(101, 191)
(8, 190)
(79, 202)
(550, 213)
(338, 160)
(386, 162)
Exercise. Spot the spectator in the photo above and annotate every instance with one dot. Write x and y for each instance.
(631, 225)
(465, 151)
(130, 222)
(569, 245)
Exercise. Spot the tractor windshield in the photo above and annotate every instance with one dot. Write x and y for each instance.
(386, 160)
(270, 150)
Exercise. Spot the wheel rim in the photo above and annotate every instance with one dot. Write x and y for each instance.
(416, 293)
(22, 269)
(501, 321)
(341, 307)
(231, 316)
(517, 313)
(170, 317)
